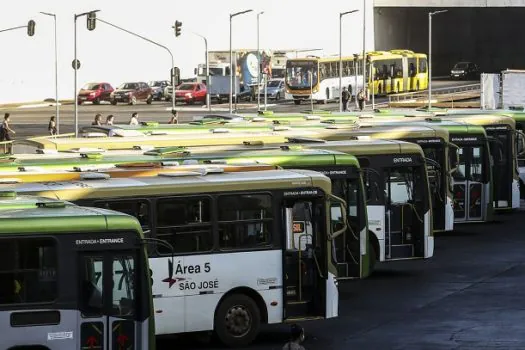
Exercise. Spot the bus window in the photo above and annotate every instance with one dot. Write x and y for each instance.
(402, 186)
(28, 271)
(91, 286)
(476, 167)
(123, 287)
(422, 65)
(460, 173)
(185, 223)
(137, 208)
(245, 221)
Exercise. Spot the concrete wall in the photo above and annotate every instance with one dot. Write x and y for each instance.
(490, 37)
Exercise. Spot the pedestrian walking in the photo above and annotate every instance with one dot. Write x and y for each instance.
(361, 98)
(296, 338)
(5, 133)
(52, 126)
(134, 119)
(345, 97)
(98, 120)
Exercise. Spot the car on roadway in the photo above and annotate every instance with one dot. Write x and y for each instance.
(132, 93)
(158, 87)
(274, 89)
(95, 93)
(190, 93)
(465, 70)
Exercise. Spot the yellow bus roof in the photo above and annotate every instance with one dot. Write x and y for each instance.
(169, 185)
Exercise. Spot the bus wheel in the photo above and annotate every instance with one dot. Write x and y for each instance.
(297, 102)
(417, 86)
(237, 320)
(397, 88)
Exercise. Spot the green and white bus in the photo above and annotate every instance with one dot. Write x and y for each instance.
(72, 277)
(473, 184)
(249, 247)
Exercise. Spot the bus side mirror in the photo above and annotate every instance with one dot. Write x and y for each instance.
(454, 157)
(195, 71)
(338, 217)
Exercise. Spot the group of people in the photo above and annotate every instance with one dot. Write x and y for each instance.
(110, 119)
(346, 96)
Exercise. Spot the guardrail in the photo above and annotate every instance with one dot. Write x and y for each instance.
(451, 91)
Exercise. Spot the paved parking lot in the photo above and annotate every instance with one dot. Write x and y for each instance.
(469, 296)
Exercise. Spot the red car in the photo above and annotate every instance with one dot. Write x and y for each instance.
(95, 92)
(190, 93)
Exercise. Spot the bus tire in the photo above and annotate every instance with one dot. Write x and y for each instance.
(297, 102)
(417, 86)
(397, 88)
(237, 320)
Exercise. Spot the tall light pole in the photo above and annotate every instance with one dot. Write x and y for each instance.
(57, 109)
(364, 48)
(76, 66)
(258, 65)
(430, 14)
(231, 55)
(341, 56)
(208, 99)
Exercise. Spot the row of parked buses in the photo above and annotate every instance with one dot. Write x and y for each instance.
(233, 221)
(384, 72)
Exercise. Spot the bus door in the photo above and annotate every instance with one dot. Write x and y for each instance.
(305, 261)
(404, 62)
(438, 189)
(404, 217)
(469, 190)
(111, 301)
(502, 168)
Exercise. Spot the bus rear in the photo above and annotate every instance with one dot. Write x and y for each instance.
(72, 277)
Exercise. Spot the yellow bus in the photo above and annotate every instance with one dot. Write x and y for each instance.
(397, 71)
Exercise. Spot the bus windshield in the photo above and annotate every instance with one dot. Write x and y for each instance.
(301, 74)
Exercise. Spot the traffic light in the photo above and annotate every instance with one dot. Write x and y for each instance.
(31, 28)
(178, 26)
(175, 76)
(91, 20)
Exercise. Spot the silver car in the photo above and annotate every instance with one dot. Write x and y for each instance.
(274, 89)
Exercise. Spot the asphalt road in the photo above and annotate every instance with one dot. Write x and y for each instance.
(33, 121)
(469, 296)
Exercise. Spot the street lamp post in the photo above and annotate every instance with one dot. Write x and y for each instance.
(231, 55)
(430, 14)
(341, 56)
(208, 98)
(76, 66)
(364, 49)
(57, 109)
(258, 65)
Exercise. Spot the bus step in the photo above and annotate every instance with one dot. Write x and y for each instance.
(394, 238)
(298, 308)
(342, 269)
(401, 251)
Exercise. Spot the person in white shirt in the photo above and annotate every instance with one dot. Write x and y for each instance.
(134, 119)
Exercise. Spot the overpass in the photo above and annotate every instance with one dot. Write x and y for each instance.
(486, 32)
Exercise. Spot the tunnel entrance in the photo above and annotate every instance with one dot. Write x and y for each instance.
(488, 36)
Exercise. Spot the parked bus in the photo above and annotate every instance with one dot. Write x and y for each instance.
(398, 195)
(472, 179)
(73, 277)
(440, 160)
(347, 184)
(249, 248)
(502, 137)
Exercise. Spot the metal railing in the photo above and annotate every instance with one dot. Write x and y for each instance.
(423, 95)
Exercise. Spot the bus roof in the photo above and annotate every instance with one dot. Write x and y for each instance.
(219, 136)
(483, 119)
(452, 126)
(167, 185)
(23, 214)
(396, 132)
(269, 156)
(370, 147)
